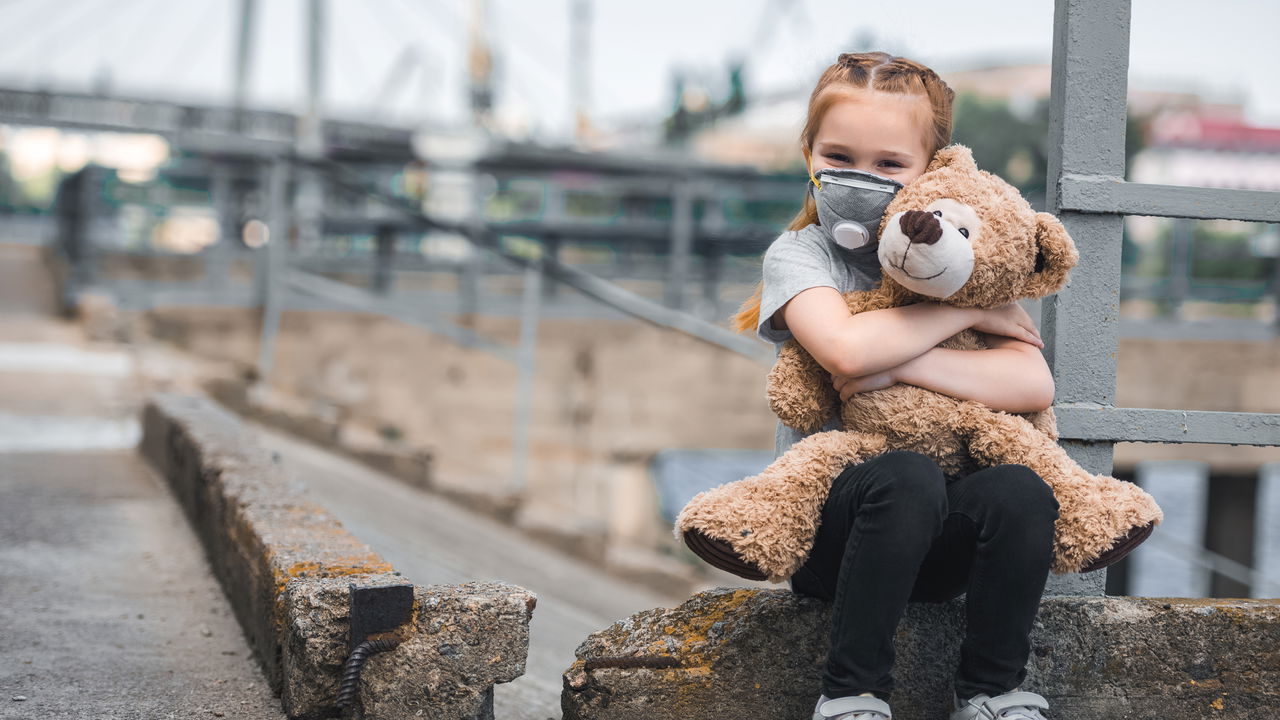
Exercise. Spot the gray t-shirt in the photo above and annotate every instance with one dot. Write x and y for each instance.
(796, 261)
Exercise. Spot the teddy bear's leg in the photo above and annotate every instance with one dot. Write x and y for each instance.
(1100, 518)
(763, 526)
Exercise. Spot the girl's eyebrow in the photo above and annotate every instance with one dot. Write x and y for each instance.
(896, 154)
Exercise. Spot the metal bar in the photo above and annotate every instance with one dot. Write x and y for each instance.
(384, 259)
(1109, 194)
(244, 56)
(217, 263)
(277, 250)
(1096, 423)
(682, 231)
(483, 236)
(361, 300)
(645, 309)
(1262, 586)
(1087, 121)
(1183, 239)
(525, 356)
(1086, 136)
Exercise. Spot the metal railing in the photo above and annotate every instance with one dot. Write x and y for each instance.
(1088, 192)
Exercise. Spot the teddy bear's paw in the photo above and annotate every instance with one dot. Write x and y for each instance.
(1120, 549)
(756, 527)
(1101, 521)
(720, 554)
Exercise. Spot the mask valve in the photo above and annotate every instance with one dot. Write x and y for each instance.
(851, 235)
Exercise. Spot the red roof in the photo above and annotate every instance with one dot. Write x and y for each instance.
(1187, 130)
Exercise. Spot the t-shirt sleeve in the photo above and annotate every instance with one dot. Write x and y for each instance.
(790, 266)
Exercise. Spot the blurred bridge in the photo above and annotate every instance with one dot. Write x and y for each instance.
(200, 129)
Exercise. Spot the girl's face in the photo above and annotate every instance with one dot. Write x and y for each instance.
(876, 132)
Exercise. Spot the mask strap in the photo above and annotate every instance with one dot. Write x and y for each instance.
(814, 180)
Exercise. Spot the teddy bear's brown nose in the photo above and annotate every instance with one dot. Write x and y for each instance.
(920, 226)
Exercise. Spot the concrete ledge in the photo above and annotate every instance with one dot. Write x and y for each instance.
(286, 564)
(759, 653)
(411, 466)
(462, 640)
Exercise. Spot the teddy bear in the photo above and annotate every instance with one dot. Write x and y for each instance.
(962, 236)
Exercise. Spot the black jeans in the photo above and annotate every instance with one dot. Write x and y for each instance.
(894, 530)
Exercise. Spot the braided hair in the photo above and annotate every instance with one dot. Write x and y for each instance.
(851, 72)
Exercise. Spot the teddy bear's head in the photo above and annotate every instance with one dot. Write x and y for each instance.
(966, 237)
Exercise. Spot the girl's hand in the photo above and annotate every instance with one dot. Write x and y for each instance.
(1009, 321)
(848, 385)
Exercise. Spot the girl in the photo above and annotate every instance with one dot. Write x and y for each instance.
(894, 528)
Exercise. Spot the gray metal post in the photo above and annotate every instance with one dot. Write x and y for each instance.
(384, 259)
(276, 260)
(244, 55)
(1181, 242)
(1086, 137)
(311, 141)
(529, 313)
(469, 270)
(681, 244)
(553, 213)
(713, 259)
(580, 66)
(217, 260)
(260, 254)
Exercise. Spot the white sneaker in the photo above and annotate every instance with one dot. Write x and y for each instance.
(857, 707)
(1013, 705)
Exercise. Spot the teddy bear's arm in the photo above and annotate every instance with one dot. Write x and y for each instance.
(800, 390)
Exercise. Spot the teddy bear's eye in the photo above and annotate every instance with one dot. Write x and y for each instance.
(964, 232)
(937, 213)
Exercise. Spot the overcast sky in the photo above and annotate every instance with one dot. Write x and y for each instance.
(1226, 49)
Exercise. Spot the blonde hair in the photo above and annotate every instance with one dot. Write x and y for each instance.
(859, 71)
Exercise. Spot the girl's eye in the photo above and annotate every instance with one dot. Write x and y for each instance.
(837, 157)
(892, 163)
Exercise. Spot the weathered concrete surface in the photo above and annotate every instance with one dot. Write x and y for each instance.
(434, 541)
(322, 424)
(270, 545)
(107, 606)
(759, 653)
(462, 640)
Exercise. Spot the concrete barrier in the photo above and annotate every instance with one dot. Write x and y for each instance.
(759, 653)
(287, 565)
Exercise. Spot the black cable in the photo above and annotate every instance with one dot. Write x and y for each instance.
(349, 687)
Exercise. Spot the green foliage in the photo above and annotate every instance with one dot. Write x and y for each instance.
(1003, 143)
(1014, 143)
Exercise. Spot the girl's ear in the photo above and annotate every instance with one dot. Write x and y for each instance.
(1055, 256)
(957, 155)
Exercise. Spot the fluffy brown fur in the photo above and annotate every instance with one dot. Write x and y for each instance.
(769, 520)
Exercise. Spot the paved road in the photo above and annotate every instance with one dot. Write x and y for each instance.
(432, 541)
(108, 608)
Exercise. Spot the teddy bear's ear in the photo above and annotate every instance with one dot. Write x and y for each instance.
(1055, 256)
(952, 155)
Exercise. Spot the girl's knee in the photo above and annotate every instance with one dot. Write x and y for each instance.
(909, 481)
(1018, 490)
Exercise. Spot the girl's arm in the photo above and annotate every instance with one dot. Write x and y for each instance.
(1011, 376)
(879, 340)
